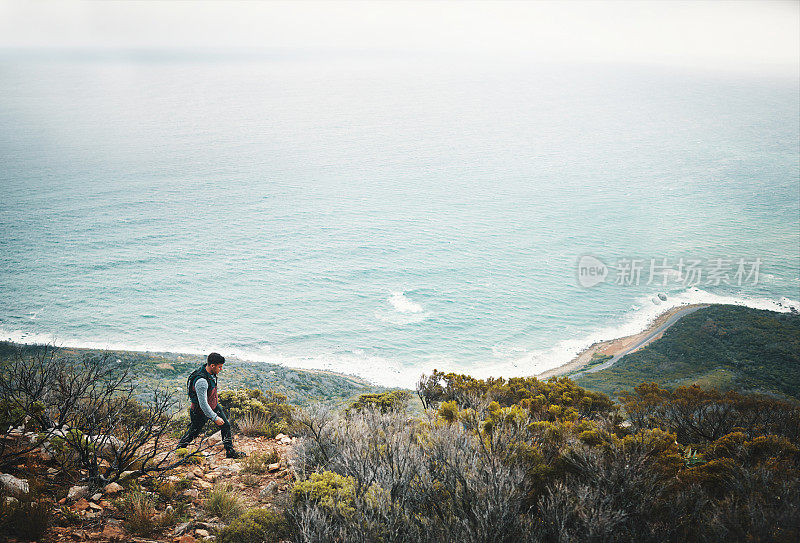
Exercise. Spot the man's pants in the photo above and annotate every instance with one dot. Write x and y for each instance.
(198, 421)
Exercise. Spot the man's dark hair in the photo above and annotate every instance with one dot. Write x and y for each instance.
(215, 358)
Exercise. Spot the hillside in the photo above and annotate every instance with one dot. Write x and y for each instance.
(169, 370)
(722, 347)
(520, 460)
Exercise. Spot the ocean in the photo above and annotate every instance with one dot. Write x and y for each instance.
(385, 215)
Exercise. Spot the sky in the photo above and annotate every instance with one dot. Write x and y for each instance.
(744, 35)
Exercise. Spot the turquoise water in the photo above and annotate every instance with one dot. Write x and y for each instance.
(380, 216)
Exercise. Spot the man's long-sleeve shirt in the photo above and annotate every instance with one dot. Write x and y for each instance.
(201, 386)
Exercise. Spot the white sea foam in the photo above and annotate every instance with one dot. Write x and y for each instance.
(508, 360)
(402, 304)
(404, 311)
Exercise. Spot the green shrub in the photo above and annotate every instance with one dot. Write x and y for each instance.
(449, 411)
(188, 458)
(183, 484)
(258, 462)
(167, 490)
(396, 399)
(224, 503)
(331, 492)
(265, 412)
(256, 526)
(14, 415)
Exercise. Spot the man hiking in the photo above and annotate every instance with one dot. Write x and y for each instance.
(202, 385)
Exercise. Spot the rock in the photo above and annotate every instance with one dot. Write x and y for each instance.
(201, 533)
(185, 539)
(269, 490)
(181, 529)
(114, 532)
(198, 472)
(205, 485)
(280, 436)
(97, 497)
(215, 438)
(13, 486)
(209, 526)
(106, 444)
(11, 500)
(94, 506)
(112, 488)
(191, 493)
(55, 432)
(662, 296)
(81, 505)
(286, 440)
(229, 470)
(274, 467)
(78, 492)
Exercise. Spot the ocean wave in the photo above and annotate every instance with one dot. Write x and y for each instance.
(402, 304)
(509, 360)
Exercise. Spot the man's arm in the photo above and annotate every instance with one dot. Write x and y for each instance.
(201, 387)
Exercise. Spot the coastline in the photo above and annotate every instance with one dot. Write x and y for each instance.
(617, 346)
(578, 356)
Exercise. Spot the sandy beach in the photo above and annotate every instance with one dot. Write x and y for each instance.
(620, 346)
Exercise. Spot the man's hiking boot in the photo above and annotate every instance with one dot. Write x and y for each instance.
(235, 454)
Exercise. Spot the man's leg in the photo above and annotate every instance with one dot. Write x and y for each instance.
(196, 424)
(225, 429)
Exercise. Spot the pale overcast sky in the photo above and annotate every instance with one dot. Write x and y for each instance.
(741, 35)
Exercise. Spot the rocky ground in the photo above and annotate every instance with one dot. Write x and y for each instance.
(181, 510)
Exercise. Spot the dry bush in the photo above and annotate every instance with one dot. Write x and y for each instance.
(253, 424)
(224, 503)
(139, 510)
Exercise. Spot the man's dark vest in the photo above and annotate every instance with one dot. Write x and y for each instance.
(201, 373)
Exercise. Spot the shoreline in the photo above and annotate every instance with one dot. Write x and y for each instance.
(614, 347)
(609, 347)
(581, 357)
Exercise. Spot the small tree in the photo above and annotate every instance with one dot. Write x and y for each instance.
(82, 415)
